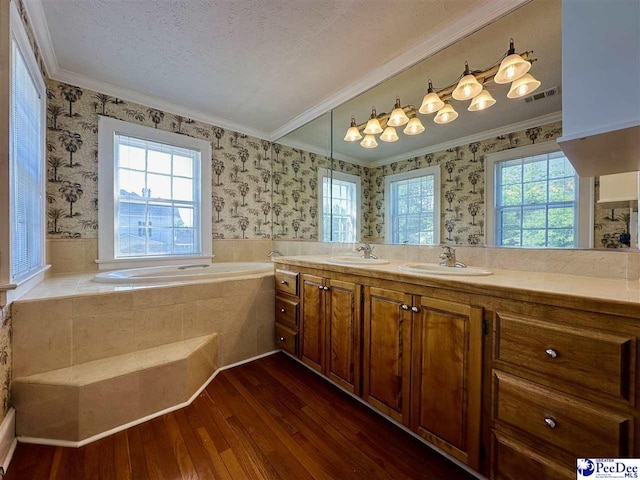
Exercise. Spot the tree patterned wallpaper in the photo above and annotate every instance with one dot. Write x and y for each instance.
(462, 190)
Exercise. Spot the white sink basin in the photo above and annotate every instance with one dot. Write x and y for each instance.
(353, 260)
(435, 269)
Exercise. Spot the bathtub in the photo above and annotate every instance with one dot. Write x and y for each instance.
(187, 272)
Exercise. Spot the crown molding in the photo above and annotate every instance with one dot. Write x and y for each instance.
(38, 23)
(487, 13)
(478, 137)
(307, 147)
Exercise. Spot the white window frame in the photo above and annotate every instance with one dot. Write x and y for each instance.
(434, 171)
(107, 129)
(585, 193)
(345, 177)
(16, 287)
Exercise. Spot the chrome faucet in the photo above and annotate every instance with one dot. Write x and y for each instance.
(366, 250)
(274, 253)
(448, 258)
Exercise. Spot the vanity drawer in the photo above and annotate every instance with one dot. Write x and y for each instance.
(287, 282)
(582, 429)
(286, 339)
(596, 360)
(286, 310)
(510, 460)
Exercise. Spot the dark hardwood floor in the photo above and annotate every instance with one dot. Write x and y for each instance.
(271, 418)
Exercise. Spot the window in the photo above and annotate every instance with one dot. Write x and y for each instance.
(339, 206)
(26, 158)
(413, 206)
(538, 199)
(157, 182)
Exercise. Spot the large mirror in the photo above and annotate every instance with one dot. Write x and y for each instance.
(493, 176)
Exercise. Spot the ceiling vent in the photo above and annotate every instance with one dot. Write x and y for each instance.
(551, 92)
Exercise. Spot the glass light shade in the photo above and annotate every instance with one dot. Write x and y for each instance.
(481, 102)
(373, 127)
(431, 103)
(369, 142)
(523, 86)
(511, 68)
(353, 135)
(389, 135)
(445, 115)
(398, 118)
(468, 87)
(414, 127)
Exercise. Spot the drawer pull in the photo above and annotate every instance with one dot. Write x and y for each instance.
(551, 423)
(415, 309)
(282, 339)
(326, 289)
(551, 352)
(320, 287)
(283, 282)
(404, 307)
(283, 310)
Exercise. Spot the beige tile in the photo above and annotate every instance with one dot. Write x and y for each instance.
(41, 336)
(633, 266)
(240, 287)
(163, 386)
(593, 263)
(201, 364)
(203, 317)
(237, 345)
(104, 369)
(46, 411)
(223, 250)
(66, 256)
(90, 255)
(238, 313)
(153, 357)
(157, 326)
(109, 404)
(264, 308)
(265, 338)
(157, 296)
(251, 250)
(201, 291)
(111, 302)
(101, 336)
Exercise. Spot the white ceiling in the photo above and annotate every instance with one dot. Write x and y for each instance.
(254, 64)
(535, 26)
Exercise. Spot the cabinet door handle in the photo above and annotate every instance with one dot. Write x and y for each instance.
(326, 289)
(283, 282)
(415, 309)
(551, 423)
(551, 352)
(283, 310)
(320, 287)
(404, 307)
(282, 339)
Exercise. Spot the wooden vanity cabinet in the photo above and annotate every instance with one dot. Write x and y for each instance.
(331, 329)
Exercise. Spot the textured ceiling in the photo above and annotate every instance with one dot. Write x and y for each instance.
(259, 63)
(535, 26)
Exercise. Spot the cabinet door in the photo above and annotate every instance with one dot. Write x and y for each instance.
(343, 334)
(446, 376)
(312, 328)
(387, 352)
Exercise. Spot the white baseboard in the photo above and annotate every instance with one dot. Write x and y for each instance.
(81, 443)
(396, 423)
(7, 440)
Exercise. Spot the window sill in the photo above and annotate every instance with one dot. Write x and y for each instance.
(23, 285)
(122, 263)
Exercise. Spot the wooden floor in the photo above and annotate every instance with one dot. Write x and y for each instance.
(271, 418)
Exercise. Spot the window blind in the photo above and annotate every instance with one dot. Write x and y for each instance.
(25, 169)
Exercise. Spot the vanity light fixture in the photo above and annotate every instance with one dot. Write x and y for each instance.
(468, 86)
(369, 142)
(373, 126)
(431, 102)
(523, 86)
(446, 114)
(353, 134)
(397, 117)
(414, 127)
(389, 135)
(482, 101)
(512, 67)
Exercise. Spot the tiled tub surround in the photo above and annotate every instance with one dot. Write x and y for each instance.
(617, 264)
(91, 357)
